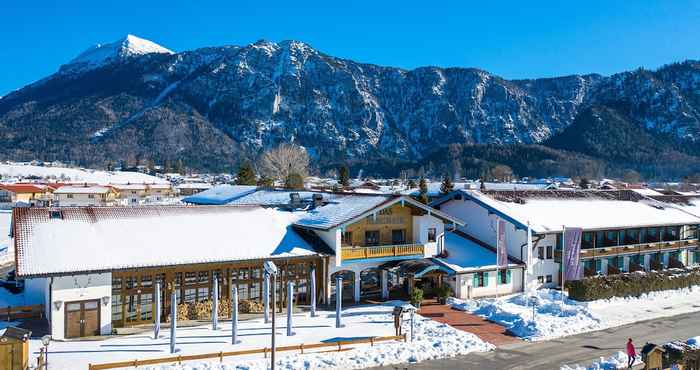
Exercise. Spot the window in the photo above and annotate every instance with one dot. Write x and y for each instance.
(504, 277)
(540, 253)
(372, 237)
(540, 279)
(91, 196)
(559, 242)
(587, 240)
(346, 238)
(549, 252)
(432, 234)
(480, 279)
(69, 196)
(398, 236)
(549, 279)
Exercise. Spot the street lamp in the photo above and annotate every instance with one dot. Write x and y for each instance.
(45, 340)
(271, 270)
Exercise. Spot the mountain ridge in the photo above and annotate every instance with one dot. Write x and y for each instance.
(244, 99)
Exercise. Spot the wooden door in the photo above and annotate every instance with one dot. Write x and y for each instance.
(82, 319)
(73, 319)
(91, 318)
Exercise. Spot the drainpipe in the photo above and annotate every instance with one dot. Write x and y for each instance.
(50, 308)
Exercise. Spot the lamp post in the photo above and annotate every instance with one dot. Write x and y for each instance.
(271, 270)
(45, 340)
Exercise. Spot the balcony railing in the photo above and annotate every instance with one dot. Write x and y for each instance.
(354, 253)
(632, 248)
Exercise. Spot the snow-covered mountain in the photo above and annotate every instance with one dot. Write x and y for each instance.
(211, 107)
(102, 54)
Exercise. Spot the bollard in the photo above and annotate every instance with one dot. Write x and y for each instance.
(338, 301)
(215, 305)
(290, 308)
(313, 292)
(156, 327)
(234, 315)
(173, 321)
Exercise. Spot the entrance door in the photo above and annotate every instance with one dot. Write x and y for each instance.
(82, 319)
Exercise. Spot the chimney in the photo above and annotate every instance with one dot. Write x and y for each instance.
(318, 200)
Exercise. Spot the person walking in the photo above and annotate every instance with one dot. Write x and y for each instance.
(631, 353)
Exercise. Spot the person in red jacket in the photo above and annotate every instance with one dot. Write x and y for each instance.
(631, 353)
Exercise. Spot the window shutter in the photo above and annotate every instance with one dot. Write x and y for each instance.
(475, 280)
(507, 276)
(486, 279)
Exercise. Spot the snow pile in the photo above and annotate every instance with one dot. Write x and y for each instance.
(432, 340)
(555, 318)
(616, 361)
(552, 317)
(65, 174)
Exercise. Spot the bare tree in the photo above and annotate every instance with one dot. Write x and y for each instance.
(279, 162)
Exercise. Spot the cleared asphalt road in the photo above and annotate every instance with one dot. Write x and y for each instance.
(582, 349)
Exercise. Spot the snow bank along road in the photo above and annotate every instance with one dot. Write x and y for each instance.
(555, 319)
(578, 349)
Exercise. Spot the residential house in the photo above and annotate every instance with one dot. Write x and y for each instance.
(85, 195)
(25, 194)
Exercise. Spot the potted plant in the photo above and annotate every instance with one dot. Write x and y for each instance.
(443, 292)
(416, 297)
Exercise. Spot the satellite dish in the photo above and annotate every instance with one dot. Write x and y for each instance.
(270, 267)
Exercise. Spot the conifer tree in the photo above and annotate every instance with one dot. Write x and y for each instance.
(246, 175)
(423, 191)
(411, 184)
(447, 185)
(344, 176)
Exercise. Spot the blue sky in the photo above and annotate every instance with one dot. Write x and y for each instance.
(514, 39)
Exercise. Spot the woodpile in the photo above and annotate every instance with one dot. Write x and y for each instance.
(250, 306)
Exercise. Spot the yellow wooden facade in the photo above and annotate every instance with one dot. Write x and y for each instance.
(396, 217)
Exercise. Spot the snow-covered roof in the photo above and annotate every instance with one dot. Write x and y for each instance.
(195, 185)
(82, 189)
(220, 194)
(551, 211)
(336, 208)
(129, 186)
(466, 255)
(91, 239)
(646, 191)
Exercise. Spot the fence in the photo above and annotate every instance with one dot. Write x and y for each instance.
(220, 355)
(10, 313)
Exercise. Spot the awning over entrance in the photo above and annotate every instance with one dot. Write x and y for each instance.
(416, 268)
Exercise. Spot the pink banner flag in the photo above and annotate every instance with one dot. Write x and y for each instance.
(572, 251)
(501, 248)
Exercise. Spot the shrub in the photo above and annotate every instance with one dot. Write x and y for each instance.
(416, 297)
(632, 284)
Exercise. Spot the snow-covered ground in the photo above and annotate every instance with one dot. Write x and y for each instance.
(432, 340)
(614, 362)
(554, 319)
(16, 170)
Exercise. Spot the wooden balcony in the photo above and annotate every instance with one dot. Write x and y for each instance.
(355, 253)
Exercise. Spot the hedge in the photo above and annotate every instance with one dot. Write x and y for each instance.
(632, 284)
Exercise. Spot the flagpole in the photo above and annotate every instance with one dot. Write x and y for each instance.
(563, 265)
(498, 244)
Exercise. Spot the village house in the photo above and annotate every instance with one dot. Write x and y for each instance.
(138, 194)
(25, 194)
(84, 195)
(623, 230)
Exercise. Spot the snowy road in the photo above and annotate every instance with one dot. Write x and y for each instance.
(581, 349)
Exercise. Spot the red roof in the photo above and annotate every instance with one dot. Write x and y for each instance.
(22, 188)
